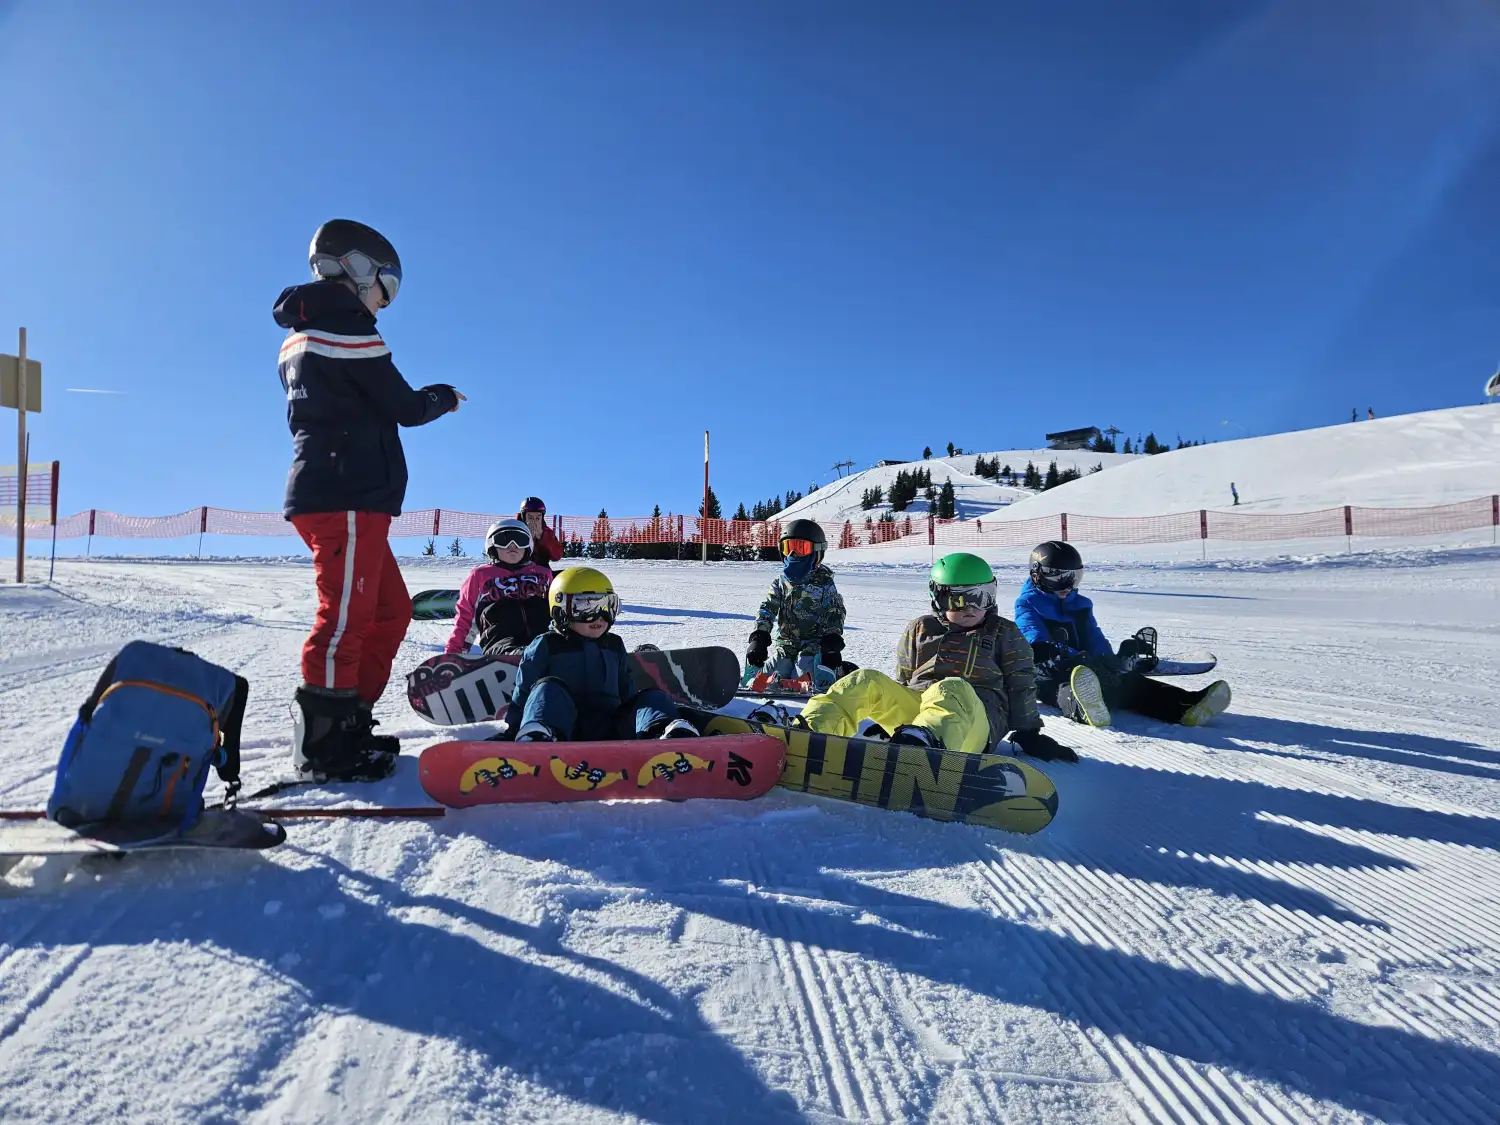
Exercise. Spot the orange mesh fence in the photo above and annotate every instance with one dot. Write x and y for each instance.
(1424, 521)
(1271, 526)
(745, 538)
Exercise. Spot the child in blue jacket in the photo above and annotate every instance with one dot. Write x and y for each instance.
(1078, 671)
(575, 683)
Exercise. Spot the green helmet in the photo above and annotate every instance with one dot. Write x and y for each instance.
(962, 581)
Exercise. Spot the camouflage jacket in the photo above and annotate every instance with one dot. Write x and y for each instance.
(803, 614)
(993, 656)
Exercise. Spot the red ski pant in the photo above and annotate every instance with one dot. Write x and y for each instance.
(363, 606)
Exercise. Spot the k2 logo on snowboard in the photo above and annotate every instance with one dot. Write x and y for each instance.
(739, 769)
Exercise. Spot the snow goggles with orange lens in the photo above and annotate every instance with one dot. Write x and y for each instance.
(591, 607)
(799, 547)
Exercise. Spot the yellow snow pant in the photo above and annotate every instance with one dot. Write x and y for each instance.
(948, 708)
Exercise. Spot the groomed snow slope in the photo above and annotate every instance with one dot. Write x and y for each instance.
(1290, 916)
(974, 496)
(1409, 460)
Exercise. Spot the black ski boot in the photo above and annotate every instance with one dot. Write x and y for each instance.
(331, 741)
(372, 742)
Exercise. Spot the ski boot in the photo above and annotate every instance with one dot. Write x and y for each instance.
(1082, 698)
(679, 728)
(916, 736)
(535, 732)
(1212, 702)
(331, 741)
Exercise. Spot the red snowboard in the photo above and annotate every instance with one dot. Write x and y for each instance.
(736, 767)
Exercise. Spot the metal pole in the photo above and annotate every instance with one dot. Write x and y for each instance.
(52, 566)
(704, 534)
(21, 463)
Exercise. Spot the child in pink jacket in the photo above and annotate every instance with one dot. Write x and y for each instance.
(506, 598)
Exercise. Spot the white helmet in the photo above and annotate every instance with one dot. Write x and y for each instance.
(507, 533)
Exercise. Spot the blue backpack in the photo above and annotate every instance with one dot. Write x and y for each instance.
(144, 739)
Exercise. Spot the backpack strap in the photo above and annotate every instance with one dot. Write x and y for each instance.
(228, 764)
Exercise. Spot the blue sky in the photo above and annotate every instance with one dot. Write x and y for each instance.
(821, 230)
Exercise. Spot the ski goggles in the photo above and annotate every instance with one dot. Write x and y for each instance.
(799, 547)
(511, 537)
(362, 270)
(966, 597)
(1055, 579)
(591, 607)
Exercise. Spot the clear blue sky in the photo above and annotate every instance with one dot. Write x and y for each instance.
(822, 230)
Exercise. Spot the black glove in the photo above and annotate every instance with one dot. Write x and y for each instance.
(760, 647)
(833, 649)
(1043, 746)
(442, 394)
(1043, 651)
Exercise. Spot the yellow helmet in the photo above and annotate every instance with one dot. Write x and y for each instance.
(582, 593)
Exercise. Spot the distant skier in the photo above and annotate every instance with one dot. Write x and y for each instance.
(1078, 671)
(506, 597)
(1492, 388)
(575, 681)
(1354, 415)
(344, 402)
(964, 676)
(1235, 493)
(805, 609)
(545, 549)
(1370, 413)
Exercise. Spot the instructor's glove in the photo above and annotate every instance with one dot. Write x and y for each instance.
(443, 396)
(833, 649)
(760, 648)
(1045, 747)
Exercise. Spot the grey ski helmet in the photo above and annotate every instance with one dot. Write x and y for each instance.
(343, 248)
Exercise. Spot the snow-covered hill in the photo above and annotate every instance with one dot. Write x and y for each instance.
(1290, 916)
(1408, 460)
(974, 496)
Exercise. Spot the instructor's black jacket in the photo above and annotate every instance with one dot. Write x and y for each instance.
(344, 400)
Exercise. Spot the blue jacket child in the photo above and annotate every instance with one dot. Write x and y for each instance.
(575, 682)
(1078, 671)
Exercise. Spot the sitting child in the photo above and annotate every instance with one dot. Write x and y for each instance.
(805, 609)
(506, 597)
(964, 672)
(1078, 670)
(575, 683)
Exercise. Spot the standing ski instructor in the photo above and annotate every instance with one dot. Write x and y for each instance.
(344, 400)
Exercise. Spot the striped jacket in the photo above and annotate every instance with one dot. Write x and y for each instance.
(994, 657)
(344, 400)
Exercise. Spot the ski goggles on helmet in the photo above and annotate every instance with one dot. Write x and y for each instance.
(591, 607)
(363, 270)
(799, 547)
(965, 597)
(511, 537)
(1051, 578)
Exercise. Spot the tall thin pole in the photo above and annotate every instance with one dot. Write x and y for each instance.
(21, 463)
(704, 534)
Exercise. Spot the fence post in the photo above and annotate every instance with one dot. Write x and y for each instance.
(931, 530)
(1348, 529)
(202, 527)
(437, 521)
(1203, 531)
(1064, 526)
(88, 550)
(1494, 518)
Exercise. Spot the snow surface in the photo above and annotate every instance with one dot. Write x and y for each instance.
(1408, 460)
(973, 496)
(1290, 916)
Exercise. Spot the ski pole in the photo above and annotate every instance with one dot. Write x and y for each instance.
(415, 811)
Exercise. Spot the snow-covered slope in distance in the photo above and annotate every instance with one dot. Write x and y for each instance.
(1408, 460)
(973, 496)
